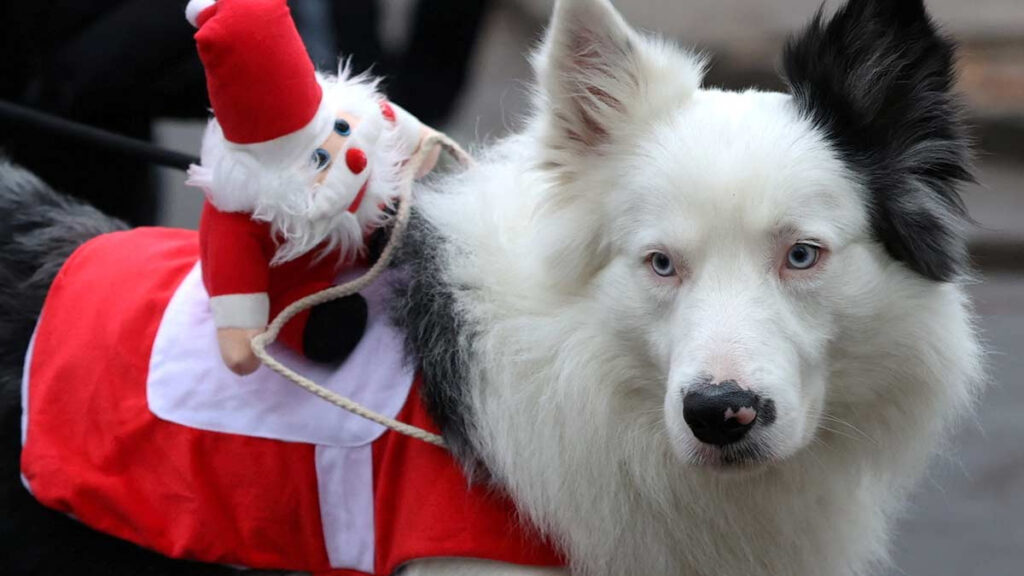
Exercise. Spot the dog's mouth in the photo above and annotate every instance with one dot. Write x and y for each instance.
(743, 456)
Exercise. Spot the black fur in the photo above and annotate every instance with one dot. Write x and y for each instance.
(877, 78)
(438, 337)
(38, 231)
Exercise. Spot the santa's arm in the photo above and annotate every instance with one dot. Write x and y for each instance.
(235, 272)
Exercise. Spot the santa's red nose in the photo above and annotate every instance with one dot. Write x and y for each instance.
(356, 160)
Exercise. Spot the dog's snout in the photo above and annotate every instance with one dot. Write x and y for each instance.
(721, 413)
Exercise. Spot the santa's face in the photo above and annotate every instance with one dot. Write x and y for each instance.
(334, 146)
(342, 162)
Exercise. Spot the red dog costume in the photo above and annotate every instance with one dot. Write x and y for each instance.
(131, 430)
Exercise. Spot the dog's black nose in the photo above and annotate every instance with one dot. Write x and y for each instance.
(720, 413)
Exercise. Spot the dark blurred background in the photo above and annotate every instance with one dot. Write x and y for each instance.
(124, 65)
(130, 66)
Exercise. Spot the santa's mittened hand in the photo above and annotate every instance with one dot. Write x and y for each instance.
(432, 155)
(236, 349)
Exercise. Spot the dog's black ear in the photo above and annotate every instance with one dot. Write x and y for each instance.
(877, 78)
(598, 77)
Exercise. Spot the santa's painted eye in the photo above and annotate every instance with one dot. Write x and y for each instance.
(342, 128)
(321, 158)
(662, 264)
(802, 256)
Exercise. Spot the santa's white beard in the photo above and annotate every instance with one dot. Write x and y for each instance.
(297, 233)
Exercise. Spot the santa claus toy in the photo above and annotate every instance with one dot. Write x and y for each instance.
(298, 168)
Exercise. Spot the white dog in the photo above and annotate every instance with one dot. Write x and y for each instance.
(700, 332)
(691, 332)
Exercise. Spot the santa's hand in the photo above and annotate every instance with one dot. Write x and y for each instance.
(236, 349)
(430, 160)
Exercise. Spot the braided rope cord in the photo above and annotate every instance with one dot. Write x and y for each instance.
(264, 339)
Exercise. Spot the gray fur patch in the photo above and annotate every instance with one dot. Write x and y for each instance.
(438, 336)
(38, 231)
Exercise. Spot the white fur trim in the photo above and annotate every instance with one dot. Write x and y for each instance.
(240, 310)
(194, 8)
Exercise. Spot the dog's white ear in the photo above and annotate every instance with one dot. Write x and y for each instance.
(601, 84)
(587, 69)
(597, 76)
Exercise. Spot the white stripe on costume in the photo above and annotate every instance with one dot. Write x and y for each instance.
(188, 383)
(344, 478)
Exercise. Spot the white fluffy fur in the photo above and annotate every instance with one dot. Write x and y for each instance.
(278, 186)
(583, 355)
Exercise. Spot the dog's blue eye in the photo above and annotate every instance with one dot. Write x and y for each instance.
(802, 256)
(662, 264)
(342, 127)
(321, 158)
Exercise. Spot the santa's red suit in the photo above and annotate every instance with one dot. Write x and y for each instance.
(134, 427)
(245, 289)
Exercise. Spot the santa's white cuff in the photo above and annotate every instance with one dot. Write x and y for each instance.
(408, 129)
(240, 310)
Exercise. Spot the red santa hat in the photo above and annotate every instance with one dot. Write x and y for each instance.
(264, 90)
